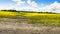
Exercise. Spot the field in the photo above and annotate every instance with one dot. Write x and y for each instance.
(29, 23)
(41, 18)
(8, 14)
(34, 17)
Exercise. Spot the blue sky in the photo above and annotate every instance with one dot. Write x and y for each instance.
(2, 2)
(5, 2)
(28, 4)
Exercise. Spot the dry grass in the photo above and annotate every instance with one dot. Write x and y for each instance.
(16, 28)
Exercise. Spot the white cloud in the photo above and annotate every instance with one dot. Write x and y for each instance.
(6, 7)
(32, 3)
(19, 2)
(54, 7)
(33, 6)
(20, 5)
(26, 8)
(29, 1)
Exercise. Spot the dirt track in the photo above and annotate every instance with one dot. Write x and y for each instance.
(27, 29)
(17, 28)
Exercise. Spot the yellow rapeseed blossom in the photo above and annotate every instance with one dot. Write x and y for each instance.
(7, 13)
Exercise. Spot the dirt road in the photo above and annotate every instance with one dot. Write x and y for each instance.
(13, 26)
(27, 29)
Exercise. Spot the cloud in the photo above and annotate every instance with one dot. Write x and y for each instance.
(6, 7)
(19, 2)
(29, 1)
(33, 6)
(54, 7)
(32, 3)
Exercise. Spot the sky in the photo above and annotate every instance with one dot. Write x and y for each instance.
(31, 5)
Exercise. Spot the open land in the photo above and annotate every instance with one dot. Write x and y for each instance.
(29, 23)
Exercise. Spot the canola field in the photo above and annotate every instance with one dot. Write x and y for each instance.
(28, 15)
(41, 18)
(34, 18)
(8, 14)
(40, 15)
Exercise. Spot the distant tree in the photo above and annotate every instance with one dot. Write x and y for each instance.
(10, 10)
(3, 10)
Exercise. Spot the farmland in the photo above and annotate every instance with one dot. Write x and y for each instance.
(34, 17)
(8, 14)
(29, 23)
